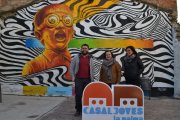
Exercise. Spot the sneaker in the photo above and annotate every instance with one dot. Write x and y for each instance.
(77, 113)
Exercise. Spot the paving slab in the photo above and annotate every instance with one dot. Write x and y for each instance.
(62, 108)
(15, 107)
(157, 108)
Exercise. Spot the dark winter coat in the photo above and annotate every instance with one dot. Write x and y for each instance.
(132, 69)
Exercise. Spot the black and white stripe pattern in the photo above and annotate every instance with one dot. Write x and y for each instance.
(125, 20)
(50, 77)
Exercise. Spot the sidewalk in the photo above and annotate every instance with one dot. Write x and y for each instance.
(62, 108)
(64, 111)
(158, 108)
(15, 107)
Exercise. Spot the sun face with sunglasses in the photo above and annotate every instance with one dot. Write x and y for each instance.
(54, 26)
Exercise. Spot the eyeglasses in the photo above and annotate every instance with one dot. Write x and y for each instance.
(53, 20)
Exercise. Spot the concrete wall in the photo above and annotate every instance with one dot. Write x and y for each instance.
(165, 4)
(8, 5)
(176, 69)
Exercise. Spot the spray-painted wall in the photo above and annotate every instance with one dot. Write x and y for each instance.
(93, 20)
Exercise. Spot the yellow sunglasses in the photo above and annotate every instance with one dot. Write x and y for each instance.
(53, 20)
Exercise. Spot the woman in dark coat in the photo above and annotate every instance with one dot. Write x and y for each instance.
(132, 66)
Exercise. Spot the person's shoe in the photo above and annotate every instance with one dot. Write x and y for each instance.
(77, 113)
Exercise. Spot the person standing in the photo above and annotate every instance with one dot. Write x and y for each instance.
(81, 69)
(110, 72)
(132, 66)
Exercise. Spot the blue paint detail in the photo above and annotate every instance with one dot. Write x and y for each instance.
(58, 91)
(33, 43)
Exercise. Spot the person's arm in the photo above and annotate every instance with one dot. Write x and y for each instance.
(122, 68)
(118, 70)
(140, 65)
(101, 74)
(72, 68)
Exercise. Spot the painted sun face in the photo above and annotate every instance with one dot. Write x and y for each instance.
(56, 30)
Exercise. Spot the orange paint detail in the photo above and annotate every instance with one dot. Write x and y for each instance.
(97, 90)
(94, 102)
(101, 102)
(126, 92)
(84, 9)
(120, 94)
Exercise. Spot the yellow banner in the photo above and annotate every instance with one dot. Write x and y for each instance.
(35, 90)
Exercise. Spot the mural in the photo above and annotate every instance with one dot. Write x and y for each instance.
(83, 20)
(55, 36)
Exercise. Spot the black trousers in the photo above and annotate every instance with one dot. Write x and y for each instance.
(133, 81)
(80, 84)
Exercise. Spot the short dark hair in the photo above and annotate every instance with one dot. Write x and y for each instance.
(132, 48)
(85, 45)
(110, 52)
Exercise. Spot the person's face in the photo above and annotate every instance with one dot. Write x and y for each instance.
(84, 50)
(108, 55)
(57, 31)
(129, 51)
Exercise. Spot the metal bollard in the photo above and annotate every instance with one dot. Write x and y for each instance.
(0, 95)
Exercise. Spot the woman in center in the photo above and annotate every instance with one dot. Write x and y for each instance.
(110, 72)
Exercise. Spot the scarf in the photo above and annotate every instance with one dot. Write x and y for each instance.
(107, 66)
(129, 58)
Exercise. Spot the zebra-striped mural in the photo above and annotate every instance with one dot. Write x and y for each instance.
(92, 19)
